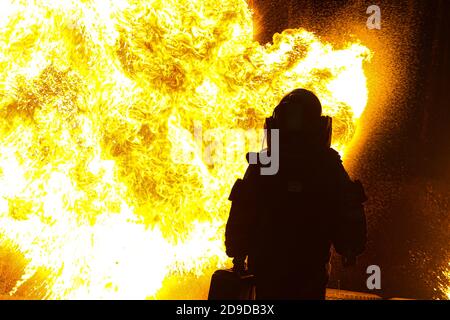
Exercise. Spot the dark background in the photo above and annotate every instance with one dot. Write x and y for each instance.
(402, 153)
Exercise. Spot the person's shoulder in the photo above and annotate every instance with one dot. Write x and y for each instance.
(332, 161)
(333, 155)
(253, 158)
(254, 163)
(245, 187)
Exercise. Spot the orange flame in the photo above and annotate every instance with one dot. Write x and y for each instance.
(98, 100)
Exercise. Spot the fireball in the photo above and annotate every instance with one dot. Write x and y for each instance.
(123, 126)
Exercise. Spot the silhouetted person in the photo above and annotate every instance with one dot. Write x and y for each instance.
(286, 223)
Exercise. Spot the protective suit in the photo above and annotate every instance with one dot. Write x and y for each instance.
(286, 223)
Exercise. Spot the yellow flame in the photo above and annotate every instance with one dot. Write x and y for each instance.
(108, 112)
(445, 285)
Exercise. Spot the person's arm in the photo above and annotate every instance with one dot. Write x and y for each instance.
(350, 229)
(241, 219)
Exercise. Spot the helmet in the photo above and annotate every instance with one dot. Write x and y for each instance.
(299, 118)
(299, 110)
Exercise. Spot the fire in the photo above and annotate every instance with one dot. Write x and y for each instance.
(99, 101)
(447, 290)
(444, 286)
